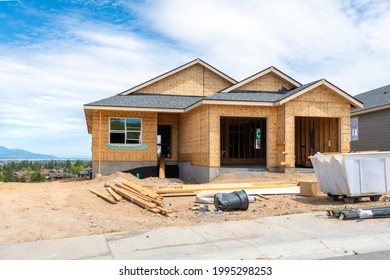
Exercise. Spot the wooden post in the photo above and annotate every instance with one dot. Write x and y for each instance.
(161, 174)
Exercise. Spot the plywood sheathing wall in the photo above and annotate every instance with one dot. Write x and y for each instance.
(193, 136)
(319, 102)
(172, 120)
(271, 113)
(195, 80)
(149, 132)
(268, 82)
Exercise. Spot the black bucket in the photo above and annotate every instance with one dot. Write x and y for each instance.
(237, 200)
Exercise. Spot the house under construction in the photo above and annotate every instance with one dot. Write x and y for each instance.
(201, 119)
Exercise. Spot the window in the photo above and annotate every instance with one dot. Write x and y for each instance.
(354, 129)
(125, 131)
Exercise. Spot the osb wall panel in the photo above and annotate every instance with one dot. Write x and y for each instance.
(149, 132)
(280, 136)
(194, 137)
(172, 120)
(319, 102)
(268, 82)
(195, 80)
(271, 113)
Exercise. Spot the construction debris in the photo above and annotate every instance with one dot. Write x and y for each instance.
(237, 200)
(361, 213)
(207, 197)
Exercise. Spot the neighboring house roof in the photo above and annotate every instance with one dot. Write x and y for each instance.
(148, 102)
(271, 69)
(374, 100)
(178, 69)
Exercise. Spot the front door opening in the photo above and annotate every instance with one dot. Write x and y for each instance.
(243, 141)
(164, 141)
(312, 135)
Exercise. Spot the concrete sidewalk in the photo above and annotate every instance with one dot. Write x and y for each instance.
(293, 237)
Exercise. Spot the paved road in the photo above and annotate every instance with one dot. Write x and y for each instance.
(291, 237)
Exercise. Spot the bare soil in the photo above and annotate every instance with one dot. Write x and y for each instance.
(36, 211)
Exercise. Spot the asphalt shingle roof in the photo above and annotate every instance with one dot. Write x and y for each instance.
(374, 98)
(144, 100)
(250, 96)
(257, 96)
(168, 101)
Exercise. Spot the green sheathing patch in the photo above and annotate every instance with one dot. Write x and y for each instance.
(136, 147)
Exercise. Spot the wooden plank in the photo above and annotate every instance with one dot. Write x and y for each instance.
(321, 134)
(297, 140)
(292, 189)
(326, 134)
(105, 197)
(141, 189)
(227, 187)
(140, 195)
(334, 131)
(223, 185)
(135, 199)
(114, 194)
(164, 210)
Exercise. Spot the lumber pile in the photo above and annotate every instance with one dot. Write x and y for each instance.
(141, 196)
(251, 188)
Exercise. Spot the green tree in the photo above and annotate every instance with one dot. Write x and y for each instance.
(37, 177)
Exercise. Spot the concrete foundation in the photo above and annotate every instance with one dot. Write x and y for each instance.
(109, 167)
(201, 174)
(187, 172)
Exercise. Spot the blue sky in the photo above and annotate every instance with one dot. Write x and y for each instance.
(56, 56)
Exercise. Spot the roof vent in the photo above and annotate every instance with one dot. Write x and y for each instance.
(385, 92)
(282, 90)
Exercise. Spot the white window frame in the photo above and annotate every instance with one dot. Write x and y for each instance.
(355, 138)
(125, 131)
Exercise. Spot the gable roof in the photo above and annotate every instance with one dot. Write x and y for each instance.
(278, 97)
(176, 70)
(271, 69)
(374, 100)
(307, 87)
(183, 103)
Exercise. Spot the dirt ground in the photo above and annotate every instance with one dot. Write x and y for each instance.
(36, 211)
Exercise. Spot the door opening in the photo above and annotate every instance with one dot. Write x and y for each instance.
(243, 141)
(164, 141)
(312, 135)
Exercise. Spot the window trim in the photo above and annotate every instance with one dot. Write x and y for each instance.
(125, 131)
(357, 128)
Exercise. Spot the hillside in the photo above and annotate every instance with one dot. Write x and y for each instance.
(6, 153)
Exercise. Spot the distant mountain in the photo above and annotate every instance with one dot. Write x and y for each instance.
(21, 154)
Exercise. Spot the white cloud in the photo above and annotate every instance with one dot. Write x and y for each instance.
(337, 40)
(43, 85)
